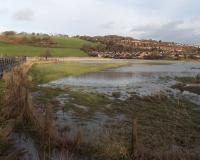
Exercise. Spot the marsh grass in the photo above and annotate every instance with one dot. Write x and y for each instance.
(18, 106)
(189, 80)
(43, 73)
(190, 84)
(157, 127)
(19, 115)
(197, 78)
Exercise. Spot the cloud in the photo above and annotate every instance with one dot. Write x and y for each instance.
(178, 31)
(24, 15)
(3, 11)
(108, 25)
(173, 20)
(2, 29)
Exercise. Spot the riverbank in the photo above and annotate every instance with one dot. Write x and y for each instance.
(45, 72)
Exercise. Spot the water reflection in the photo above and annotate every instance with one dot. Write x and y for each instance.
(143, 79)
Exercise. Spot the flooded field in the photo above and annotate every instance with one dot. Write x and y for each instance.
(139, 77)
(96, 99)
(145, 108)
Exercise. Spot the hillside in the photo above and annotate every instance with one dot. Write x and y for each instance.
(24, 44)
(37, 45)
(128, 48)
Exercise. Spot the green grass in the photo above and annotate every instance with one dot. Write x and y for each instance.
(72, 42)
(186, 80)
(158, 62)
(30, 51)
(182, 85)
(43, 73)
(89, 99)
(66, 47)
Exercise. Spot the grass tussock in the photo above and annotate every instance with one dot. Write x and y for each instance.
(17, 97)
(190, 84)
(19, 115)
(197, 78)
(155, 127)
(19, 107)
(189, 80)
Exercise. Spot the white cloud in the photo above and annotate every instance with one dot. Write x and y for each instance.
(24, 15)
(100, 17)
(179, 31)
(2, 29)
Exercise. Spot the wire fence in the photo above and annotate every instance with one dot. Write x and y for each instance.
(8, 63)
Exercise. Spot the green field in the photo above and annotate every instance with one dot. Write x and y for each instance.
(71, 42)
(42, 73)
(68, 47)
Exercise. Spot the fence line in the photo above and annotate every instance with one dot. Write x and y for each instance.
(8, 63)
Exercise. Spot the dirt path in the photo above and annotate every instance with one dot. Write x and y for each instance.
(67, 59)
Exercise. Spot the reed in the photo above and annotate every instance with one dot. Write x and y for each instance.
(197, 78)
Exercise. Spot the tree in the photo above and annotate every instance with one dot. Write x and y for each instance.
(9, 33)
(87, 48)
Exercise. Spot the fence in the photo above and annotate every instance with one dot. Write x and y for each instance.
(7, 63)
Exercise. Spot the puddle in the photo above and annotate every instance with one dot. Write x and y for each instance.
(81, 107)
(26, 144)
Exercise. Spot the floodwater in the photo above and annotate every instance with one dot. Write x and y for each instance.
(139, 77)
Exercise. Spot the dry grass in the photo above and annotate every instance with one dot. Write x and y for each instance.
(135, 143)
(18, 109)
(19, 106)
(197, 78)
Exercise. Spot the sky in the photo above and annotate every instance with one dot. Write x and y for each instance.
(167, 20)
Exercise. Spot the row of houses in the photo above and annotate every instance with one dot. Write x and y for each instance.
(146, 55)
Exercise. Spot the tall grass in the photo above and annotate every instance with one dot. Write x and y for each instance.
(20, 115)
(166, 142)
(18, 107)
(197, 78)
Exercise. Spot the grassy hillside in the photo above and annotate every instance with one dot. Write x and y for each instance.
(24, 50)
(71, 42)
(66, 47)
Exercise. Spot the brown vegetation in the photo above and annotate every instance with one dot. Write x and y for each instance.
(41, 41)
(127, 48)
(134, 142)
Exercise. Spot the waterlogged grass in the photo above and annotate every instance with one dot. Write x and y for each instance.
(158, 62)
(43, 73)
(184, 84)
(159, 119)
(89, 99)
(186, 80)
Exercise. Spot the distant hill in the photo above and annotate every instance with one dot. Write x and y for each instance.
(111, 46)
(126, 47)
(37, 45)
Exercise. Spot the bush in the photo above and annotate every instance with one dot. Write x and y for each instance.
(9, 33)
